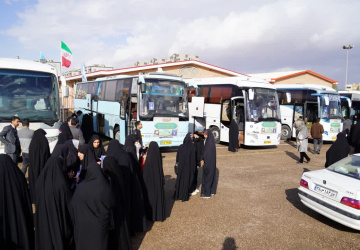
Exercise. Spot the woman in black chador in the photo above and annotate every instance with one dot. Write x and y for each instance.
(91, 210)
(53, 226)
(186, 159)
(95, 145)
(154, 181)
(208, 187)
(120, 235)
(233, 136)
(339, 150)
(137, 186)
(86, 158)
(16, 221)
(87, 127)
(39, 153)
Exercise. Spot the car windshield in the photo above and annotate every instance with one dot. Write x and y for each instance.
(28, 94)
(164, 98)
(264, 106)
(331, 111)
(349, 166)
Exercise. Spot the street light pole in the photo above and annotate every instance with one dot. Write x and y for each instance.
(347, 47)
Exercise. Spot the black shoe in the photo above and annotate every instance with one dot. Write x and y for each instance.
(308, 160)
(298, 162)
(318, 152)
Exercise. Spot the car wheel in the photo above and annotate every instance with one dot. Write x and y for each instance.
(116, 133)
(216, 133)
(285, 132)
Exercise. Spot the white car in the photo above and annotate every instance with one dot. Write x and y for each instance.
(335, 191)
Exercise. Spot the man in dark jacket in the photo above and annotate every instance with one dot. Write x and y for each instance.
(138, 126)
(9, 137)
(316, 133)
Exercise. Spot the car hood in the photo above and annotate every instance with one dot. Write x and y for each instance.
(345, 186)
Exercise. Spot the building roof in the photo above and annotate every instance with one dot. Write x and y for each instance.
(155, 66)
(276, 76)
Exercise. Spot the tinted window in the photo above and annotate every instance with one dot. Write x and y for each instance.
(110, 90)
(81, 90)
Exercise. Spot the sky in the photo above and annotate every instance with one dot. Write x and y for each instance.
(245, 36)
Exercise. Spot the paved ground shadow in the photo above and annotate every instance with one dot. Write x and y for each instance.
(169, 194)
(293, 197)
(229, 244)
(292, 155)
(139, 237)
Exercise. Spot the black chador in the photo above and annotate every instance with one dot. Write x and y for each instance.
(138, 215)
(91, 210)
(339, 150)
(99, 151)
(209, 170)
(16, 221)
(154, 181)
(233, 136)
(186, 159)
(39, 153)
(53, 226)
(119, 237)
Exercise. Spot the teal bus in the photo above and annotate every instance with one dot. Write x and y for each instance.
(158, 100)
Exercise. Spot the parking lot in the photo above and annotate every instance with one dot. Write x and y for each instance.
(256, 207)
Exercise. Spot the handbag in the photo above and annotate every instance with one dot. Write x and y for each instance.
(176, 168)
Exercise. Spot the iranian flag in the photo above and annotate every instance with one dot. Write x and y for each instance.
(66, 55)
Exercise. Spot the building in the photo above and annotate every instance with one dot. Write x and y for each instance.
(301, 76)
(352, 86)
(88, 69)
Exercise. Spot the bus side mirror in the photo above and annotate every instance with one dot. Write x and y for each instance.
(288, 97)
(251, 94)
(326, 98)
(143, 88)
(65, 91)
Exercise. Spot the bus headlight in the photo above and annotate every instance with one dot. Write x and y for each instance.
(331, 130)
(279, 136)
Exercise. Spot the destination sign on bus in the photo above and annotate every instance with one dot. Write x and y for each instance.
(166, 126)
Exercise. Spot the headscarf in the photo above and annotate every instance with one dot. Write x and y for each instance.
(62, 138)
(338, 150)
(64, 128)
(91, 210)
(88, 159)
(39, 153)
(154, 181)
(186, 158)
(16, 227)
(52, 219)
(209, 170)
(72, 161)
(120, 235)
(99, 151)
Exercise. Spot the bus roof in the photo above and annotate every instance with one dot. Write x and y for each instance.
(353, 94)
(153, 75)
(240, 81)
(318, 88)
(18, 64)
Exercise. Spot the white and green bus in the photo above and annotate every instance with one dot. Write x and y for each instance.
(251, 102)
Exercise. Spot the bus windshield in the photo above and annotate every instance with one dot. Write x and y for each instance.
(331, 111)
(164, 98)
(264, 106)
(29, 94)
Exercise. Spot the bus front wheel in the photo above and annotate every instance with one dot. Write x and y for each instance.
(285, 132)
(117, 133)
(216, 133)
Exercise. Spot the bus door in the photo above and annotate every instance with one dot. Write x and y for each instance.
(232, 109)
(298, 111)
(238, 114)
(311, 113)
(133, 114)
(225, 120)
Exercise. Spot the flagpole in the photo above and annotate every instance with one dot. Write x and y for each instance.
(62, 89)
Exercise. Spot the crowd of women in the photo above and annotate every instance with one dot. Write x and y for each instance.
(83, 197)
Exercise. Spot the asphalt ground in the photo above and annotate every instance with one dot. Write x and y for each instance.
(256, 207)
